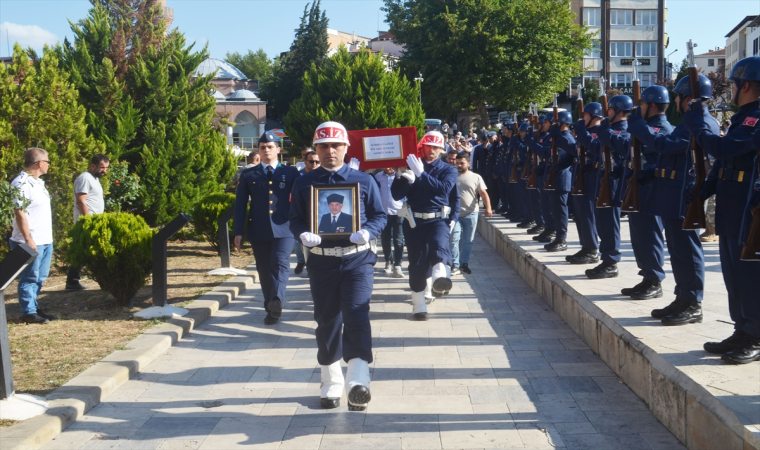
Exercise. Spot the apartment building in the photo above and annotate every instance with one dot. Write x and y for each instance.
(626, 30)
(711, 61)
(738, 41)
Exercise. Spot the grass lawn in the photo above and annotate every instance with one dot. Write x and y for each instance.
(90, 325)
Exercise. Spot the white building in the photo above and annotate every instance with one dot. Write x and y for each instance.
(384, 42)
(711, 61)
(738, 39)
(352, 41)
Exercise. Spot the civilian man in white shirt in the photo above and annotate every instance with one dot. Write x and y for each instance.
(33, 227)
(393, 233)
(470, 186)
(88, 199)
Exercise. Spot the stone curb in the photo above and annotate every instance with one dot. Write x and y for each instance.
(72, 400)
(694, 415)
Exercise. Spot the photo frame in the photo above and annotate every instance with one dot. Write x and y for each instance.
(381, 148)
(335, 210)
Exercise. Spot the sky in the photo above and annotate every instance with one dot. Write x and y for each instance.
(240, 25)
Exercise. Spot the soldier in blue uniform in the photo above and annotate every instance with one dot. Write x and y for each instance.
(613, 133)
(543, 148)
(520, 143)
(500, 166)
(430, 188)
(670, 182)
(340, 272)
(560, 132)
(268, 187)
(535, 193)
(732, 180)
(585, 204)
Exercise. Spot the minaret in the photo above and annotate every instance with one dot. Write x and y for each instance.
(168, 14)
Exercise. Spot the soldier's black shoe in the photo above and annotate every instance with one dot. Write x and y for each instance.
(557, 245)
(677, 305)
(538, 229)
(275, 308)
(526, 224)
(420, 317)
(299, 268)
(516, 219)
(726, 345)
(547, 235)
(650, 289)
(33, 318)
(330, 403)
(42, 313)
(629, 291)
(578, 253)
(691, 312)
(584, 257)
(748, 352)
(465, 268)
(270, 320)
(603, 270)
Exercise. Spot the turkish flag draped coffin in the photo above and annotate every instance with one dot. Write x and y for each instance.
(381, 148)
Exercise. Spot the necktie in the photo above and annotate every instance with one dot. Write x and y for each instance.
(333, 223)
(269, 173)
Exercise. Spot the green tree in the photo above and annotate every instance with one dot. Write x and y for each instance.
(309, 47)
(255, 65)
(157, 116)
(504, 52)
(40, 108)
(356, 90)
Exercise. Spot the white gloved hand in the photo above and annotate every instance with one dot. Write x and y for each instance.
(354, 164)
(415, 164)
(451, 226)
(409, 175)
(361, 237)
(310, 239)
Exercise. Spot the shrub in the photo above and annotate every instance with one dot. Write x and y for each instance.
(205, 214)
(123, 188)
(117, 249)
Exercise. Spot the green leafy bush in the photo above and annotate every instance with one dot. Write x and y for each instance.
(205, 214)
(123, 188)
(117, 249)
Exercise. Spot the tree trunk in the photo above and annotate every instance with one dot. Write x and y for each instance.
(483, 111)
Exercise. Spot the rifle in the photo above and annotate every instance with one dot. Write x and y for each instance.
(605, 189)
(695, 212)
(533, 179)
(580, 182)
(631, 200)
(551, 177)
(514, 176)
(526, 170)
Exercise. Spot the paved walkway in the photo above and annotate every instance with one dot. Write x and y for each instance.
(737, 386)
(494, 367)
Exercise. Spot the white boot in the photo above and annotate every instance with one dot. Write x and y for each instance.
(357, 384)
(332, 385)
(419, 306)
(441, 280)
(429, 291)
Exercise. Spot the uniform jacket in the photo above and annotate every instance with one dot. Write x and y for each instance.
(649, 158)
(617, 138)
(344, 224)
(566, 151)
(431, 190)
(269, 202)
(479, 159)
(542, 147)
(521, 146)
(587, 138)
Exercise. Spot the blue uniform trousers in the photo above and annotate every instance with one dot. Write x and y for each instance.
(585, 221)
(427, 244)
(524, 198)
(686, 259)
(648, 245)
(559, 213)
(273, 266)
(392, 240)
(608, 228)
(493, 191)
(741, 283)
(546, 204)
(535, 205)
(505, 205)
(515, 201)
(341, 289)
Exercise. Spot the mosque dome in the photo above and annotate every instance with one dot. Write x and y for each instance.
(221, 69)
(218, 95)
(242, 94)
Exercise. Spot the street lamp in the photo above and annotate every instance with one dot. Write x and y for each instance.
(670, 68)
(420, 79)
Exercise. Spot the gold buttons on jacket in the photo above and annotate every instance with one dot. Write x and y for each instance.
(270, 202)
(270, 192)
(271, 212)
(270, 182)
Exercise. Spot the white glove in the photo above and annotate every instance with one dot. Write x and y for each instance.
(361, 237)
(354, 164)
(415, 164)
(451, 226)
(310, 239)
(409, 176)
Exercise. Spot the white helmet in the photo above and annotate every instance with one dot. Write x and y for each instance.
(433, 138)
(331, 132)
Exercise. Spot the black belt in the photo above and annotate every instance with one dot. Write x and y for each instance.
(668, 174)
(732, 175)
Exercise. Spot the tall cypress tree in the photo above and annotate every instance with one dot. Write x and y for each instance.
(309, 47)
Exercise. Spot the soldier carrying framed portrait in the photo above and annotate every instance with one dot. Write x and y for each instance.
(335, 212)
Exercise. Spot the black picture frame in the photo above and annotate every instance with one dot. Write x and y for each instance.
(320, 214)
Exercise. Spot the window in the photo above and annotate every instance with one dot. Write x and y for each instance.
(648, 79)
(646, 17)
(621, 80)
(755, 46)
(591, 79)
(595, 51)
(710, 62)
(620, 49)
(592, 16)
(646, 49)
(621, 17)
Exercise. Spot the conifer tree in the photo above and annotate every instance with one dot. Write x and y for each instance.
(356, 90)
(40, 108)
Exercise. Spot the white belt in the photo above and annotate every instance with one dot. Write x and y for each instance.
(340, 251)
(431, 215)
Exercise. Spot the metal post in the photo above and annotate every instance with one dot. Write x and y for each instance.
(224, 237)
(160, 257)
(10, 267)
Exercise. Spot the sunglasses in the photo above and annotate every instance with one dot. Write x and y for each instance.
(44, 160)
(312, 162)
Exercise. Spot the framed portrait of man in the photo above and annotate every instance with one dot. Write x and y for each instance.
(335, 210)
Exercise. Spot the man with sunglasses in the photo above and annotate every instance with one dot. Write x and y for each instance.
(310, 162)
(33, 226)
